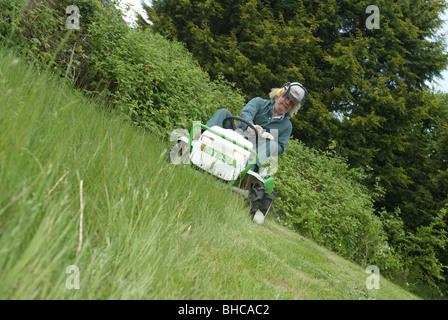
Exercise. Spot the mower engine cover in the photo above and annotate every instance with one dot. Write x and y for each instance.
(219, 156)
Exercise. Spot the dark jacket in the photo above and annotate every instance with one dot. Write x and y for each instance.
(260, 111)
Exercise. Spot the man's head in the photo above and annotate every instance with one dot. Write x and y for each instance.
(290, 98)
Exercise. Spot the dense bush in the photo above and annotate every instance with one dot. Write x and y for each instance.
(153, 80)
(417, 251)
(156, 80)
(320, 196)
(38, 29)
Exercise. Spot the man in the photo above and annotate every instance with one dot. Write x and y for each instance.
(271, 118)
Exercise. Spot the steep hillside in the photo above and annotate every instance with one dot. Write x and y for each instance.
(90, 209)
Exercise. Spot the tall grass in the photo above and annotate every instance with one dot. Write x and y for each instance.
(150, 230)
(136, 206)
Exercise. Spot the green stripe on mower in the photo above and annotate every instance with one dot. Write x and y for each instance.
(251, 164)
(269, 185)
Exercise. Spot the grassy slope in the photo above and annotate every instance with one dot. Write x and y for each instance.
(150, 230)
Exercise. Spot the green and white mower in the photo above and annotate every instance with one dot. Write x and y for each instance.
(229, 156)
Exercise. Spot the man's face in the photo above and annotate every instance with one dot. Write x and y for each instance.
(284, 104)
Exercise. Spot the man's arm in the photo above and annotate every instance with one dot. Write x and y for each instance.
(249, 111)
(283, 139)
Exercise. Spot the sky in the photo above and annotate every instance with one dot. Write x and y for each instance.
(135, 7)
(442, 84)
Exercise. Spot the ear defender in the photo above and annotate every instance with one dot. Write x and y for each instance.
(285, 88)
(279, 91)
(301, 99)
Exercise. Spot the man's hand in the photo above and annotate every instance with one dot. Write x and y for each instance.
(257, 127)
(264, 135)
(267, 135)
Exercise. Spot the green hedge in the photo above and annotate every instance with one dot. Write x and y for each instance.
(157, 80)
(153, 80)
(322, 198)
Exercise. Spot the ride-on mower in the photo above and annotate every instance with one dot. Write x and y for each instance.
(230, 156)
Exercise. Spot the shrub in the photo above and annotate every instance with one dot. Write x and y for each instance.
(417, 251)
(157, 81)
(153, 80)
(322, 198)
(38, 30)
